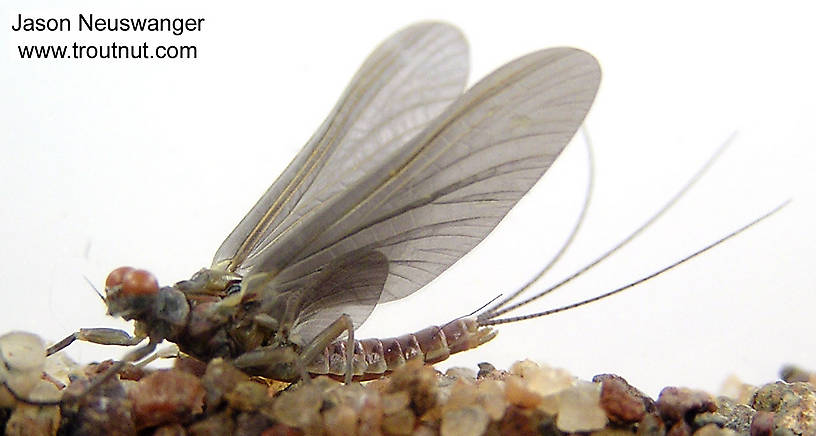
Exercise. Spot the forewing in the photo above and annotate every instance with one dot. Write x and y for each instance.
(406, 82)
(450, 186)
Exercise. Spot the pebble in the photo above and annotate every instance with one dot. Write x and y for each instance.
(465, 421)
(166, 397)
(106, 411)
(676, 404)
(22, 363)
(525, 422)
(218, 378)
(213, 425)
(299, 408)
(170, 430)
(714, 430)
(419, 381)
(762, 424)
(737, 416)
(341, 420)
(529, 399)
(622, 403)
(793, 405)
(251, 424)
(651, 425)
(401, 422)
(27, 419)
(680, 428)
(248, 396)
(579, 408)
(792, 374)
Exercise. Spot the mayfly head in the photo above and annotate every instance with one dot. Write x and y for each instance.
(134, 294)
(130, 292)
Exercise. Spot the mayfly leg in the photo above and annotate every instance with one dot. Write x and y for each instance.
(266, 357)
(97, 335)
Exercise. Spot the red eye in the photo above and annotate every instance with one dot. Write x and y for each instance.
(116, 276)
(133, 281)
(139, 282)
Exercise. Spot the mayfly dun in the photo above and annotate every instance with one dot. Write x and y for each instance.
(406, 175)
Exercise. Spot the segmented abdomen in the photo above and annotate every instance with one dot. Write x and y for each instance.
(376, 357)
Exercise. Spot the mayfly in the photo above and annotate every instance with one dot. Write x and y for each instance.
(406, 175)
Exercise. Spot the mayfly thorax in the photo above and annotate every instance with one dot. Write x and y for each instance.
(406, 175)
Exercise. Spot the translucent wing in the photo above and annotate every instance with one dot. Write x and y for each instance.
(351, 285)
(408, 80)
(443, 192)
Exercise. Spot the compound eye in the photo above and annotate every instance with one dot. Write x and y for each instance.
(139, 282)
(117, 276)
(133, 281)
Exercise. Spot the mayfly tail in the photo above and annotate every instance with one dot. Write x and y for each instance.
(574, 232)
(492, 321)
(660, 212)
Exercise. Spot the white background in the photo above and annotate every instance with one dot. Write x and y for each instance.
(151, 163)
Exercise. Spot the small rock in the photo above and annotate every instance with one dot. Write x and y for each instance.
(300, 408)
(214, 425)
(27, 419)
(762, 424)
(399, 423)
(713, 430)
(485, 369)
(248, 396)
(622, 402)
(219, 378)
(250, 424)
(793, 374)
(466, 421)
(424, 430)
(677, 404)
(738, 391)
(541, 379)
(459, 372)
(737, 416)
(579, 408)
(170, 430)
(611, 432)
(519, 393)
(651, 425)
(526, 422)
(461, 394)
(419, 381)
(680, 428)
(132, 372)
(105, 411)
(490, 395)
(281, 430)
(393, 403)
(371, 414)
(706, 418)
(166, 397)
(340, 420)
(794, 406)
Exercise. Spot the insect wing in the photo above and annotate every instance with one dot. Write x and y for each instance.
(350, 285)
(450, 186)
(408, 80)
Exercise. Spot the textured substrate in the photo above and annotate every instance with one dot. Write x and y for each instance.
(528, 399)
